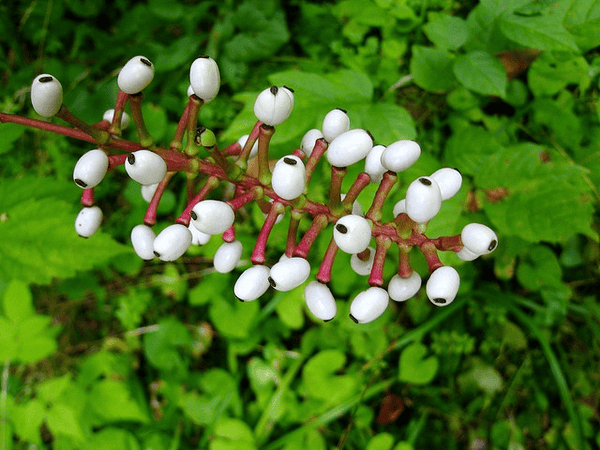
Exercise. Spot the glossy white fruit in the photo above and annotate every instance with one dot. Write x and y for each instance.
(335, 123)
(109, 115)
(373, 166)
(402, 289)
(198, 237)
(135, 75)
(252, 283)
(212, 216)
(449, 180)
(466, 255)
(289, 273)
(254, 150)
(289, 177)
(369, 305)
(309, 140)
(88, 221)
(190, 91)
(320, 301)
(352, 233)
(148, 191)
(227, 256)
(443, 285)
(400, 207)
(479, 238)
(400, 155)
(46, 95)
(205, 78)
(146, 167)
(349, 148)
(363, 267)
(423, 199)
(90, 169)
(274, 105)
(142, 239)
(172, 242)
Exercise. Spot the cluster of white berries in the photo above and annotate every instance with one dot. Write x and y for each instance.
(353, 230)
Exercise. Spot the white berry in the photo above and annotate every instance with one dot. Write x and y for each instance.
(479, 238)
(148, 191)
(352, 233)
(449, 180)
(274, 105)
(369, 305)
(466, 255)
(90, 169)
(443, 285)
(423, 199)
(320, 301)
(205, 78)
(400, 155)
(172, 242)
(227, 256)
(198, 237)
(373, 166)
(109, 115)
(135, 75)
(252, 283)
(289, 177)
(142, 239)
(289, 273)
(400, 207)
(46, 95)
(335, 123)
(309, 140)
(212, 216)
(401, 289)
(349, 148)
(88, 221)
(146, 167)
(363, 267)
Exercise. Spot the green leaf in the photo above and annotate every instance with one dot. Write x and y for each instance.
(17, 301)
(166, 9)
(432, 68)
(112, 401)
(232, 434)
(9, 133)
(290, 308)
(112, 439)
(481, 72)
(447, 32)
(180, 53)
(381, 441)
(320, 382)
(543, 32)
(28, 419)
(200, 409)
(63, 421)
(155, 118)
(414, 367)
(469, 147)
(234, 320)
(387, 122)
(551, 72)
(162, 346)
(50, 390)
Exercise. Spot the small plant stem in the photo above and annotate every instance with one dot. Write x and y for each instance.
(290, 244)
(242, 200)
(135, 101)
(115, 126)
(318, 224)
(211, 183)
(381, 249)
(150, 217)
(232, 149)
(318, 151)
(180, 162)
(405, 270)
(264, 137)
(386, 185)
(361, 182)
(448, 243)
(335, 189)
(47, 126)
(219, 158)
(87, 197)
(404, 225)
(242, 161)
(194, 105)
(258, 254)
(229, 234)
(117, 160)
(430, 252)
(364, 255)
(100, 136)
(177, 141)
(324, 274)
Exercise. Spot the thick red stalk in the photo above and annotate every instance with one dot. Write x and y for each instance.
(258, 254)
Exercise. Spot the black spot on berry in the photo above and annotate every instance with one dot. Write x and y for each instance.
(146, 62)
(342, 110)
(274, 90)
(80, 183)
(272, 282)
(131, 159)
(84, 237)
(329, 320)
(290, 161)
(493, 245)
(193, 215)
(157, 254)
(240, 300)
(353, 318)
(425, 181)
(341, 228)
(289, 89)
(371, 136)
(203, 56)
(46, 79)
(440, 301)
(456, 168)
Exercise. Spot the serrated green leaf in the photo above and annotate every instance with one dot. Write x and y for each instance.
(481, 72)
(387, 122)
(551, 72)
(414, 367)
(17, 301)
(543, 32)
(469, 148)
(432, 68)
(447, 32)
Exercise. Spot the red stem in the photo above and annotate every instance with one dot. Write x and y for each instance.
(318, 224)
(150, 217)
(324, 275)
(87, 197)
(184, 217)
(381, 249)
(258, 254)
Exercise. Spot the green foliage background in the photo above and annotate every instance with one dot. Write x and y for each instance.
(100, 350)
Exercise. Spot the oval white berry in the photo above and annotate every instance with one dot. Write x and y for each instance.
(205, 78)
(172, 242)
(320, 301)
(335, 123)
(46, 95)
(198, 237)
(402, 289)
(363, 267)
(274, 105)
(449, 180)
(443, 285)
(148, 191)
(479, 238)
(90, 169)
(400, 155)
(289, 177)
(400, 207)
(254, 150)
(289, 273)
(423, 199)
(109, 115)
(349, 147)
(88, 221)
(212, 216)
(227, 256)
(369, 305)
(135, 75)
(352, 233)
(146, 167)
(466, 255)
(309, 140)
(252, 283)
(373, 166)
(142, 239)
